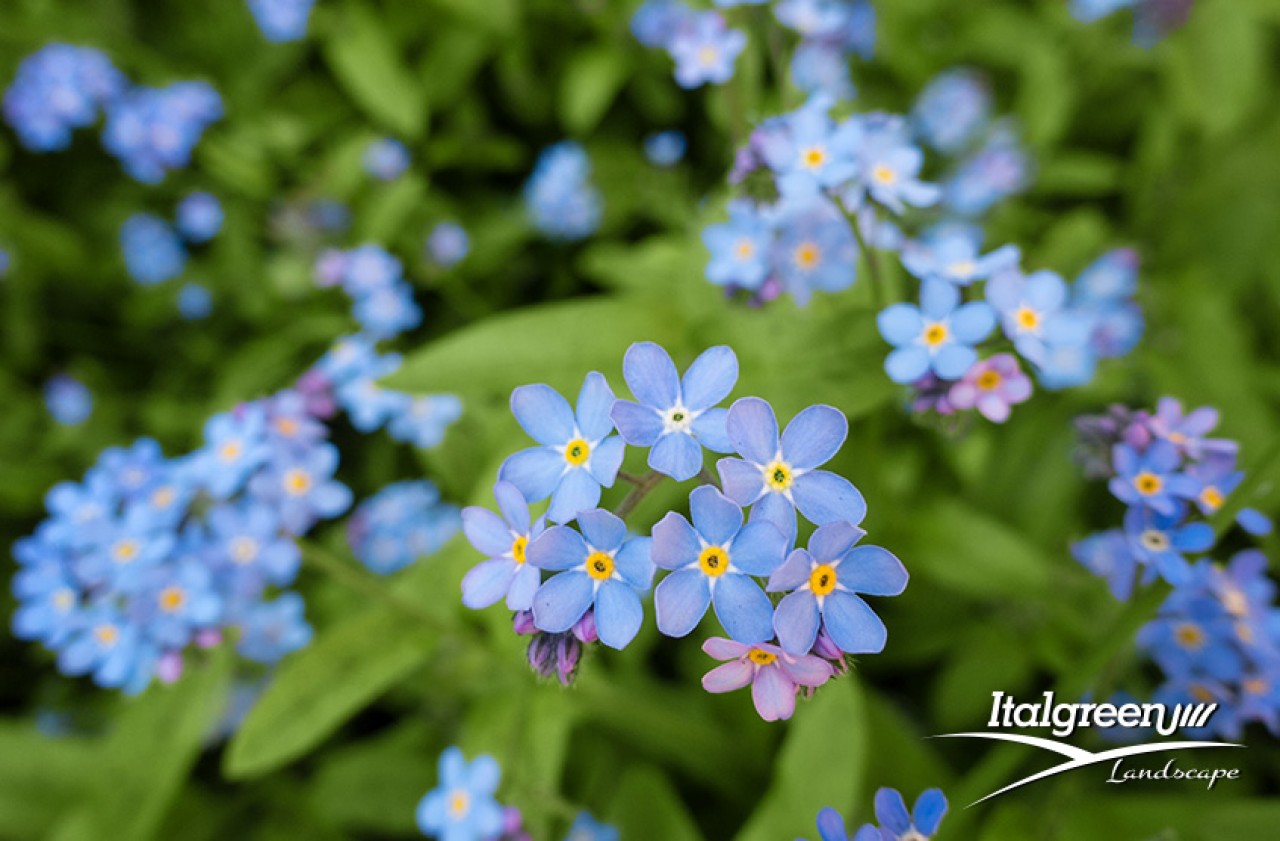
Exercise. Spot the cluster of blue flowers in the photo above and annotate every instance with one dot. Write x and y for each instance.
(896, 823)
(559, 196)
(149, 555)
(68, 400)
(401, 523)
(61, 88)
(715, 559)
(462, 806)
(1152, 19)
(155, 251)
(282, 20)
(386, 159)
(374, 278)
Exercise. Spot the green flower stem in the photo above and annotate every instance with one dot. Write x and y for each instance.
(642, 489)
(704, 476)
(353, 578)
(873, 265)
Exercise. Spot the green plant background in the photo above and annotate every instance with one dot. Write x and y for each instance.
(1173, 150)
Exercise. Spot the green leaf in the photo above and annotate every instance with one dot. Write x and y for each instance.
(376, 783)
(591, 81)
(317, 689)
(822, 763)
(40, 776)
(647, 805)
(367, 62)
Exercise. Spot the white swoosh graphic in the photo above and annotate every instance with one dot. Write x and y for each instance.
(1079, 758)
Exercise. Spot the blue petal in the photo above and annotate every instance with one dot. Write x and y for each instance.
(892, 811)
(452, 767)
(1045, 291)
(618, 614)
(753, 429)
(483, 775)
(638, 425)
(758, 549)
(777, 509)
(900, 324)
(543, 413)
(512, 504)
(595, 400)
(487, 582)
(814, 436)
(710, 378)
(953, 360)
(651, 375)
(937, 299)
(867, 832)
(742, 481)
(930, 807)
(577, 492)
(796, 622)
(557, 548)
(831, 825)
(743, 609)
(561, 601)
(852, 624)
(830, 542)
(602, 529)
(973, 322)
(677, 455)
(793, 572)
(824, 497)
(527, 579)
(907, 364)
(431, 810)
(675, 543)
(486, 530)
(1194, 537)
(873, 570)
(709, 429)
(605, 460)
(535, 472)
(635, 563)
(715, 517)
(680, 601)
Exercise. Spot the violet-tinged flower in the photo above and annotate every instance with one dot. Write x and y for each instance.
(675, 416)
(1162, 540)
(576, 456)
(937, 336)
(705, 50)
(778, 474)
(1108, 555)
(505, 540)
(953, 255)
(774, 675)
(825, 581)
(600, 567)
(991, 386)
(1187, 431)
(952, 109)
(713, 561)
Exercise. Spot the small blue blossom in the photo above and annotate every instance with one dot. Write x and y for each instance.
(889, 167)
(505, 540)
(952, 109)
(58, 89)
(656, 22)
(1001, 168)
(194, 302)
(938, 336)
(249, 549)
(1188, 430)
(303, 488)
(815, 249)
(705, 50)
(824, 583)
(1160, 541)
(665, 148)
(576, 455)
(178, 600)
(713, 561)
(401, 523)
(388, 312)
(234, 448)
(952, 255)
(559, 196)
(822, 67)
(6, 263)
(1151, 478)
(154, 130)
(270, 630)
(598, 568)
(48, 600)
(740, 248)
(1107, 554)
(1028, 306)
(105, 645)
(282, 20)
(422, 421)
(386, 159)
(814, 18)
(68, 400)
(897, 824)
(153, 253)
(778, 474)
(199, 217)
(448, 244)
(675, 416)
(813, 153)
(587, 828)
(461, 806)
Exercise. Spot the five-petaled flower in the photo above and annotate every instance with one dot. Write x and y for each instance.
(937, 336)
(775, 676)
(505, 540)
(1150, 478)
(461, 806)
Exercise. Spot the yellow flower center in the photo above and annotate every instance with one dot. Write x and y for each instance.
(577, 451)
(714, 561)
(1244, 632)
(778, 476)
(1235, 602)
(744, 249)
(882, 174)
(761, 657)
(231, 451)
(935, 334)
(288, 427)
(1201, 694)
(172, 598)
(125, 551)
(989, 380)
(63, 600)
(297, 481)
(600, 565)
(1148, 483)
(1189, 635)
(518, 548)
(822, 581)
(163, 497)
(1211, 498)
(244, 550)
(1256, 686)
(1027, 318)
(106, 635)
(1177, 438)
(459, 805)
(813, 157)
(708, 56)
(807, 255)
(963, 268)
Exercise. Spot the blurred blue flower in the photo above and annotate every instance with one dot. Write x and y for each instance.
(1028, 305)
(386, 313)
(665, 148)
(58, 89)
(952, 109)
(888, 167)
(952, 254)
(422, 421)
(103, 644)
(1161, 541)
(809, 152)
(461, 806)
(822, 586)
(559, 195)
(705, 50)
(68, 400)
(154, 130)
(656, 22)
(234, 447)
(674, 416)
(576, 453)
(153, 253)
(1001, 168)
(815, 249)
(194, 302)
(822, 67)
(303, 489)
(1188, 430)
(270, 630)
(1107, 554)
(399, 524)
(938, 336)
(6, 263)
(1151, 478)
(199, 217)
(505, 540)
(713, 561)
(600, 568)
(587, 828)
(896, 824)
(386, 159)
(179, 599)
(740, 248)
(448, 244)
(282, 20)
(251, 549)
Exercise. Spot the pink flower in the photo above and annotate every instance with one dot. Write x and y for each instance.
(992, 386)
(773, 674)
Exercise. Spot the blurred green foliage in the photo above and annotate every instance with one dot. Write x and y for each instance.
(1173, 150)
